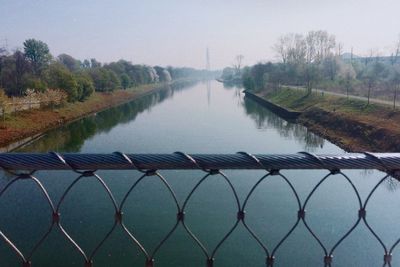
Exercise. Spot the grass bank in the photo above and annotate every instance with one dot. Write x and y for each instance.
(24, 126)
(349, 123)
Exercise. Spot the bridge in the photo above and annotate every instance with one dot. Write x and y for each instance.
(23, 166)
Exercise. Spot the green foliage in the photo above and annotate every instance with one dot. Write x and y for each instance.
(38, 54)
(190, 73)
(125, 81)
(31, 82)
(86, 64)
(248, 81)
(68, 61)
(94, 63)
(59, 77)
(104, 80)
(163, 74)
(34, 69)
(15, 69)
(85, 86)
(228, 73)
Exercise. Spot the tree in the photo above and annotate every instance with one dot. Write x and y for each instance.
(94, 63)
(311, 76)
(396, 52)
(319, 46)
(291, 48)
(86, 64)
(347, 76)
(3, 54)
(125, 81)
(163, 74)
(153, 74)
(68, 61)
(238, 63)
(258, 71)
(59, 77)
(227, 73)
(38, 54)
(276, 76)
(282, 47)
(14, 73)
(21, 68)
(3, 103)
(104, 80)
(371, 76)
(85, 86)
(394, 82)
(248, 81)
(330, 67)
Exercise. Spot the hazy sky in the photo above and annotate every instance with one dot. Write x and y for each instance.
(177, 32)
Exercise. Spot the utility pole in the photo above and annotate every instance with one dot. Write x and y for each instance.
(351, 56)
(5, 43)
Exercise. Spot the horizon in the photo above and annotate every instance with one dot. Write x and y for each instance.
(178, 33)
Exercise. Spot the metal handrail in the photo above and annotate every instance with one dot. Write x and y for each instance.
(23, 166)
(179, 160)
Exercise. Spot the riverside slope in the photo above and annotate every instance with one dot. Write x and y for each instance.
(351, 124)
(28, 125)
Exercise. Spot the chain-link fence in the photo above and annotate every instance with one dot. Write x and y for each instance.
(24, 167)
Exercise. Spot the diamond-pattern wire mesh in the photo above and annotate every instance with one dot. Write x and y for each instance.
(89, 256)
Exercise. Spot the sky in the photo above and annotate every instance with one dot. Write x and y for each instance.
(178, 32)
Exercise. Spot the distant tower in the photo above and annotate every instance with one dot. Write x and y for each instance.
(207, 60)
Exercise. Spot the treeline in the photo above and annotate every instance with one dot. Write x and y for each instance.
(35, 68)
(316, 60)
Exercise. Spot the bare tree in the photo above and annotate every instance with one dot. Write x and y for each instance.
(347, 75)
(282, 48)
(238, 63)
(396, 52)
(373, 55)
(339, 49)
(394, 82)
(299, 49)
(371, 76)
(319, 45)
(291, 48)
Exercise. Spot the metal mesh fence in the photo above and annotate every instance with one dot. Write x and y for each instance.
(25, 166)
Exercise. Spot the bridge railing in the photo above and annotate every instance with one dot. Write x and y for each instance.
(24, 167)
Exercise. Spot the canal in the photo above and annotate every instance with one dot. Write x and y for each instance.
(196, 118)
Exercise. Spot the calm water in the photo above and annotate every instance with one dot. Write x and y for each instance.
(195, 118)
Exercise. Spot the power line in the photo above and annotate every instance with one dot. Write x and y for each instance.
(4, 43)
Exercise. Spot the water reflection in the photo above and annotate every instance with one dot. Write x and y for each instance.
(190, 124)
(71, 137)
(266, 119)
(232, 85)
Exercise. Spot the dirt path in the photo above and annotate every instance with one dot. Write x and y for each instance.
(362, 98)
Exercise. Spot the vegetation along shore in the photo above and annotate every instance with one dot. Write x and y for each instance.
(39, 91)
(349, 123)
(341, 96)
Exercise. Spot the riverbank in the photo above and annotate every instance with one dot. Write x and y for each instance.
(349, 123)
(16, 130)
(286, 113)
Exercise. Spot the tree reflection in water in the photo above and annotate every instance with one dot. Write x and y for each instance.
(266, 119)
(71, 137)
